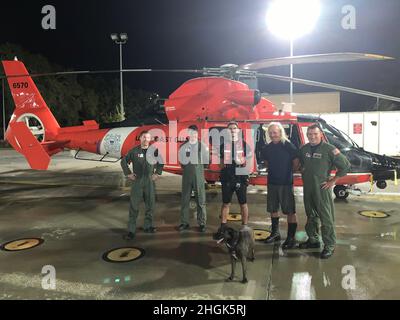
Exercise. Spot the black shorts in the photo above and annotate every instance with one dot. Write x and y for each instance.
(281, 197)
(230, 187)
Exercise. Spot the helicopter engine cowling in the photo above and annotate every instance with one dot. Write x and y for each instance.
(245, 97)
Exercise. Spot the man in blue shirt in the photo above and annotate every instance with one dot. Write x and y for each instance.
(280, 156)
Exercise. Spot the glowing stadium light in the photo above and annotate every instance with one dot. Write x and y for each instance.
(291, 19)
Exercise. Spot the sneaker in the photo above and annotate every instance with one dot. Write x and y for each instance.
(183, 226)
(289, 243)
(273, 237)
(327, 253)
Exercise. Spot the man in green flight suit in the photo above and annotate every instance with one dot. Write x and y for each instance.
(193, 156)
(318, 159)
(146, 170)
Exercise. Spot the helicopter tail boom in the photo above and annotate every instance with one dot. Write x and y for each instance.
(32, 129)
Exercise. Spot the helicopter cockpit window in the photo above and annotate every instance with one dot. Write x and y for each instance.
(335, 137)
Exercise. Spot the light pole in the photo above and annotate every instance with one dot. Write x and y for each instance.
(120, 39)
(291, 19)
(291, 69)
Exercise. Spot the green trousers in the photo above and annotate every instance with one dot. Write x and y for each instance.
(193, 182)
(142, 189)
(319, 206)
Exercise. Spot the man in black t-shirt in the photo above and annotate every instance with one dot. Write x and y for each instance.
(235, 156)
(281, 156)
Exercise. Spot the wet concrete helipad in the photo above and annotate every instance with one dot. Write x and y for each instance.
(80, 209)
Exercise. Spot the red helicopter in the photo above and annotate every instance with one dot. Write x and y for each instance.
(209, 102)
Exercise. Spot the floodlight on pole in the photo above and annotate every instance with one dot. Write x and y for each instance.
(120, 39)
(291, 19)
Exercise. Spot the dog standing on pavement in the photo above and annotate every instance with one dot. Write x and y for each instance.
(241, 247)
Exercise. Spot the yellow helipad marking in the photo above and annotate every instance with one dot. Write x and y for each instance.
(213, 186)
(125, 254)
(22, 244)
(234, 217)
(373, 214)
(261, 234)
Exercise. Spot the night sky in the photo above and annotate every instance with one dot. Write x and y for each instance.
(200, 33)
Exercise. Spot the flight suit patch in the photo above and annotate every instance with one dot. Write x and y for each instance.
(140, 155)
(336, 151)
(308, 155)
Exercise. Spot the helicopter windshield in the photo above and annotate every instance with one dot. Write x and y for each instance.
(349, 139)
(339, 139)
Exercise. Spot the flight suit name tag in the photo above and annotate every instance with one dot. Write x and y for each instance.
(317, 156)
(140, 155)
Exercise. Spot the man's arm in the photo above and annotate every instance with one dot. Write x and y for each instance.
(125, 161)
(181, 155)
(159, 165)
(221, 156)
(248, 152)
(295, 155)
(342, 165)
(205, 154)
(301, 160)
(296, 165)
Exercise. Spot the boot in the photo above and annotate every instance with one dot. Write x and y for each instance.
(310, 245)
(327, 253)
(275, 235)
(183, 226)
(290, 241)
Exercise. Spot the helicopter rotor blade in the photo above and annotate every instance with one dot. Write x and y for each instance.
(314, 58)
(81, 72)
(329, 86)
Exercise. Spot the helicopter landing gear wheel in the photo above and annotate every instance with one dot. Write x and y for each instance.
(381, 184)
(340, 192)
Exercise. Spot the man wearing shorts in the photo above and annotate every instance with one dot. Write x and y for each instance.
(235, 154)
(280, 156)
